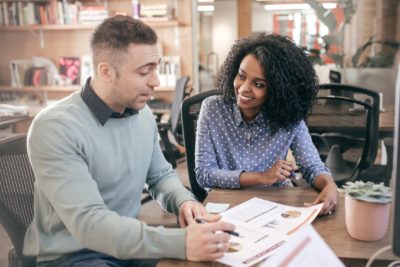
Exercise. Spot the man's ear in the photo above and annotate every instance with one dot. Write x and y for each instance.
(106, 72)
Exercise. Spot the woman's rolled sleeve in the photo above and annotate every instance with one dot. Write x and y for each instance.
(306, 154)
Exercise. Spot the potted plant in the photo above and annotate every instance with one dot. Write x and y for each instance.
(367, 209)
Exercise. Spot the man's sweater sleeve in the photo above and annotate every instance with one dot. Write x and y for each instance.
(163, 182)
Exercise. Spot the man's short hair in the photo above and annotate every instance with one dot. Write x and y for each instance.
(112, 37)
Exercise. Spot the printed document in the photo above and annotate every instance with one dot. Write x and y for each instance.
(304, 248)
(253, 244)
(263, 227)
(267, 214)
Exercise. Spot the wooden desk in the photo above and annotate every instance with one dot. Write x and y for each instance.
(332, 228)
(6, 121)
(386, 122)
(329, 118)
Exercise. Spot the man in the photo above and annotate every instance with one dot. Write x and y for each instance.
(93, 152)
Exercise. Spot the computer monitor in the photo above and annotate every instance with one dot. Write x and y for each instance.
(396, 172)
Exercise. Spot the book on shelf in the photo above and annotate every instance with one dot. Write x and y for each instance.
(70, 70)
(155, 11)
(49, 12)
(33, 72)
(169, 70)
(92, 14)
(38, 76)
(86, 68)
(28, 14)
(4, 11)
(20, 72)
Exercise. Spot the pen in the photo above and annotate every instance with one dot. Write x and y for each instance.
(198, 220)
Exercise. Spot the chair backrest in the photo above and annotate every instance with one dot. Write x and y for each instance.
(347, 119)
(16, 193)
(175, 113)
(190, 113)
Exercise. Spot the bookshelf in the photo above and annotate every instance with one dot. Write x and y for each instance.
(46, 92)
(55, 41)
(67, 89)
(55, 27)
(43, 88)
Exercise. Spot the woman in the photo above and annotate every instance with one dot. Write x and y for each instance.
(268, 85)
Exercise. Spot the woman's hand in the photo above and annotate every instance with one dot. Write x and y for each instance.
(281, 170)
(328, 194)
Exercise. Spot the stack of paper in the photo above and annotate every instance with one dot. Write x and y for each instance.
(13, 110)
(263, 226)
(304, 248)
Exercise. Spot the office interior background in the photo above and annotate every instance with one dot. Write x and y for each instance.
(45, 45)
(195, 37)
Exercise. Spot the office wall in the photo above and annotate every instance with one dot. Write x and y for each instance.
(224, 25)
(261, 21)
(224, 28)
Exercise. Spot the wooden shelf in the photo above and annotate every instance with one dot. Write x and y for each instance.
(151, 22)
(49, 27)
(54, 41)
(44, 88)
(164, 89)
(72, 88)
(162, 23)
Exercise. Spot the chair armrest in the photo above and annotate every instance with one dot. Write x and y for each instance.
(388, 142)
(158, 116)
(163, 127)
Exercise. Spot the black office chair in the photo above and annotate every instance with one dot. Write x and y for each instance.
(344, 125)
(174, 125)
(190, 114)
(16, 196)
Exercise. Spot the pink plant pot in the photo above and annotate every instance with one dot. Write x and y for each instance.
(364, 220)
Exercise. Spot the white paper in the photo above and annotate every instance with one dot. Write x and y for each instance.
(304, 248)
(13, 110)
(252, 246)
(267, 214)
(264, 227)
(216, 207)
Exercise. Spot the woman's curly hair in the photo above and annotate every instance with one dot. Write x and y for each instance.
(292, 83)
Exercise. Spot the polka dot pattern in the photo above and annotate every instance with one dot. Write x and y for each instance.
(226, 146)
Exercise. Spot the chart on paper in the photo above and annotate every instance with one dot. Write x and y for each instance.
(271, 215)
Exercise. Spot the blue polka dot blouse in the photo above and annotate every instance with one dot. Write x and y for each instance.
(226, 146)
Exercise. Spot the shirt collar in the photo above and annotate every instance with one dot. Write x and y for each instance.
(100, 110)
(260, 119)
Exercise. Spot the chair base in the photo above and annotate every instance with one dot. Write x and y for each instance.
(15, 261)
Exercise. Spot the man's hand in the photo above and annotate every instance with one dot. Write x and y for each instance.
(189, 210)
(207, 241)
